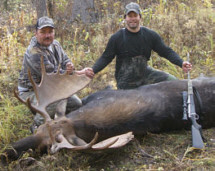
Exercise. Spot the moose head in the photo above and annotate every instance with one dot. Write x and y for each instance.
(59, 133)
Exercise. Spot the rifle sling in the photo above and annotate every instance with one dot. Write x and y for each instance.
(199, 103)
(201, 113)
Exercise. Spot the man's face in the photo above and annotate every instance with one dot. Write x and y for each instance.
(133, 21)
(45, 36)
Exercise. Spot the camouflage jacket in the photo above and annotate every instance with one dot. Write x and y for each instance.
(53, 57)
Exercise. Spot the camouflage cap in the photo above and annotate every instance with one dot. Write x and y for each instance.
(45, 22)
(132, 7)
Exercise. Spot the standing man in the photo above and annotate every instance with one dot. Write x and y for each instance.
(132, 47)
(44, 44)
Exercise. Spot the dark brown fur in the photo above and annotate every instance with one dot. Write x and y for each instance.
(154, 108)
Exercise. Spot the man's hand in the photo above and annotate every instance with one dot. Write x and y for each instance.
(87, 71)
(69, 67)
(186, 66)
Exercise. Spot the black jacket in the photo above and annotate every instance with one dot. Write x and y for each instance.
(124, 44)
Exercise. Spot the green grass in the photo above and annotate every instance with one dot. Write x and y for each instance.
(15, 119)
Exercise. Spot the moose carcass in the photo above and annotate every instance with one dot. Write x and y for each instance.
(108, 113)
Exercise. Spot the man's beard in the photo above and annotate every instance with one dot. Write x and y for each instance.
(133, 26)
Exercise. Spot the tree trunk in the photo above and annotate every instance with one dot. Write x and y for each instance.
(6, 4)
(213, 32)
(41, 8)
(84, 10)
(51, 8)
(125, 2)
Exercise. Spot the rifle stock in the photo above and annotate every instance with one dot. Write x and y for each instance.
(197, 140)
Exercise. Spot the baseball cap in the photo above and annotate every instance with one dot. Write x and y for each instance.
(132, 7)
(44, 22)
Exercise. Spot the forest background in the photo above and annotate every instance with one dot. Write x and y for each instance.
(83, 28)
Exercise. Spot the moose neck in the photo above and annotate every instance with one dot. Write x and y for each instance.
(112, 112)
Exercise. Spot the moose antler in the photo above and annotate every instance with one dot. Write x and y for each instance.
(56, 146)
(54, 87)
(113, 142)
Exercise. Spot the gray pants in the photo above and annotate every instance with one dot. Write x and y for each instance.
(58, 108)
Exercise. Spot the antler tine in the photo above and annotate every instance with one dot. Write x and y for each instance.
(43, 74)
(41, 111)
(65, 144)
(58, 69)
(21, 100)
(114, 142)
(39, 108)
(33, 84)
(97, 147)
(89, 145)
(17, 96)
(32, 107)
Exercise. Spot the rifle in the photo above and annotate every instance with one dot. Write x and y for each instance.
(189, 110)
